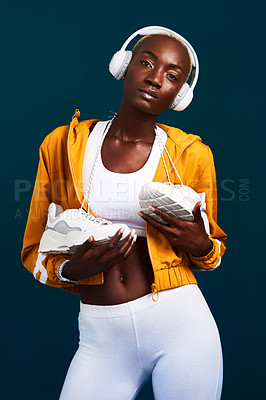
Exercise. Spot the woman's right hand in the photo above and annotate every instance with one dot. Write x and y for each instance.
(89, 260)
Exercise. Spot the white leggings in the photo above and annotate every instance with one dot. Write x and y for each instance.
(174, 340)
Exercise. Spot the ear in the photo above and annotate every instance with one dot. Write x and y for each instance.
(119, 63)
(183, 98)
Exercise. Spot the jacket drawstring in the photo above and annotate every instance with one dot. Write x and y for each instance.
(154, 292)
(77, 114)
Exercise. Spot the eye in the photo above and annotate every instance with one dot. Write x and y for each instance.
(172, 77)
(146, 63)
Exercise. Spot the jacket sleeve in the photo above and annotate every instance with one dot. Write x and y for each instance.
(207, 184)
(43, 267)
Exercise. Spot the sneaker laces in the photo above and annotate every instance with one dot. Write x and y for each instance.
(101, 221)
(162, 147)
(89, 186)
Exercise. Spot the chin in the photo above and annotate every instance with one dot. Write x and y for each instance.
(148, 107)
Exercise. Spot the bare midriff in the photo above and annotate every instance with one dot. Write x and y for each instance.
(126, 281)
(133, 277)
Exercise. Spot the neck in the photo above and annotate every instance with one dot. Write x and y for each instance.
(131, 124)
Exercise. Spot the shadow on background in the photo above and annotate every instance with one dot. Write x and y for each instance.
(55, 57)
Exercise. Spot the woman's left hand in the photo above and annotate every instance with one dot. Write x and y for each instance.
(189, 236)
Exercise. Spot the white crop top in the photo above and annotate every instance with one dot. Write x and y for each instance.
(114, 196)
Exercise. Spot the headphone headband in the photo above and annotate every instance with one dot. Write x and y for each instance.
(121, 59)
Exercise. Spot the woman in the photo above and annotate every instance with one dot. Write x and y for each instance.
(126, 336)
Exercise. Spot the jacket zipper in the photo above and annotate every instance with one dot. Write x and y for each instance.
(153, 285)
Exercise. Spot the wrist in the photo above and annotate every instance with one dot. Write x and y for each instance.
(204, 249)
(61, 273)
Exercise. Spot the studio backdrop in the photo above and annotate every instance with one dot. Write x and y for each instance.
(55, 57)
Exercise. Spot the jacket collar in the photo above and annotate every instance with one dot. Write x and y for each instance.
(176, 144)
(179, 137)
(76, 147)
(178, 141)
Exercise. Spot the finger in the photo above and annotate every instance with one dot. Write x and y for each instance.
(89, 242)
(156, 224)
(196, 212)
(116, 238)
(85, 247)
(129, 250)
(98, 250)
(131, 238)
(120, 253)
(169, 219)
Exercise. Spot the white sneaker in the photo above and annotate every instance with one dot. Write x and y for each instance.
(176, 200)
(65, 230)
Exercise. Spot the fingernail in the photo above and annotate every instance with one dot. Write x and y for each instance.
(91, 239)
(133, 232)
(140, 213)
(152, 208)
(135, 237)
(122, 230)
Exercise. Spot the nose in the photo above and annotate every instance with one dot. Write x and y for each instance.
(154, 78)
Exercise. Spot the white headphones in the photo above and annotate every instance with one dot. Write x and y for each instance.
(121, 59)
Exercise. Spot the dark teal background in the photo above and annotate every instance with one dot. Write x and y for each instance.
(55, 57)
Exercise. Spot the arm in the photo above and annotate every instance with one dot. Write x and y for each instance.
(207, 184)
(43, 267)
(87, 262)
(204, 250)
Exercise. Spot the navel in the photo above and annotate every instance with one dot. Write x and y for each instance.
(122, 279)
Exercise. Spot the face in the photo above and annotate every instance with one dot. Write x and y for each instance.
(155, 74)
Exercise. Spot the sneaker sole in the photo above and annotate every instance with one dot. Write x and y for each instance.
(164, 203)
(54, 242)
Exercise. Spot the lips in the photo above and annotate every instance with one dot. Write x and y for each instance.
(148, 94)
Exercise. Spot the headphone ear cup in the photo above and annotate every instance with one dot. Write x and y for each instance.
(183, 98)
(119, 63)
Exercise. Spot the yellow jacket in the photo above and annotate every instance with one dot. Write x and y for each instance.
(59, 180)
